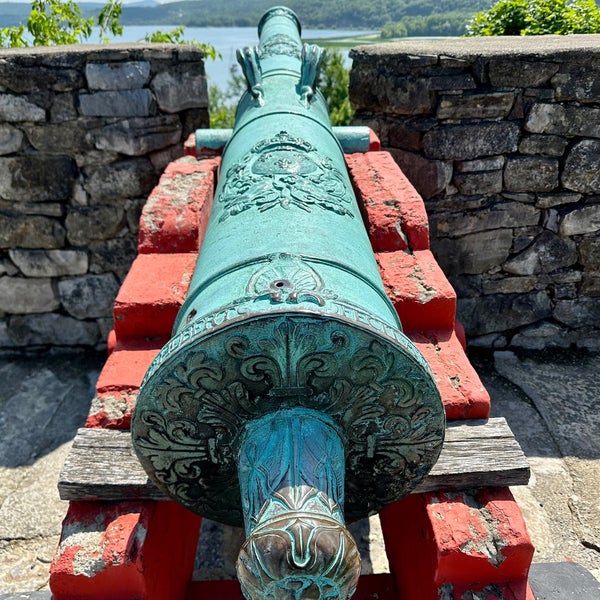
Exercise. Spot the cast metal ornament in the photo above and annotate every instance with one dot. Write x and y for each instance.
(288, 399)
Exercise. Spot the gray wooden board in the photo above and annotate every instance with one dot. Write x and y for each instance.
(477, 453)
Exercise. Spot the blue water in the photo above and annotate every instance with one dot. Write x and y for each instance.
(226, 40)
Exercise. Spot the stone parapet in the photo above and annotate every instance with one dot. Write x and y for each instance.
(501, 137)
(85, 132)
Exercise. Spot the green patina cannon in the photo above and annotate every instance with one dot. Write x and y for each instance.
(288, 399)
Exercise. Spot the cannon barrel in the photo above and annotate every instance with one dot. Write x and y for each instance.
(288, 399)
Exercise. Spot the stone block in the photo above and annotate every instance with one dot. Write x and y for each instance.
(128, 75)
(464, 142)
(581, 172)
(11, 139)
(396, 217)
(88, 296)
(520, 73)
(176, 214)
(123, 103)
(577, 83)
(548, 253)
(123, 179)
(27, 79)
(86, 224)
(590, 285)
(25, 296)
(443, 83)
(494, 163)
(556, 199)
(383, 90)
(14, 109)
(22, 231)
(473, 253)
(50, 263)
(580, 221)
(493, 215)
(560, 119)
(418, 289)
(472, 184)
(406, 134)
(121, 546)
(462, 392)
(38, 178)
(152, 295)
(544, 145)
(63, 108)
(63, 138)
(168, 85)
(502, 312)
(578, 313)
(509, 285)
(492, 105)
(115, 254)
(541, 336)
(589, 253)
(531, 174)
(136, 137)
(52, 329)
(430, 177)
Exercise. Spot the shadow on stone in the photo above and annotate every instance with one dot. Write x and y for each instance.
(43, 400)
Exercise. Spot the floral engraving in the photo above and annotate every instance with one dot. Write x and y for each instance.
(194, 409)
(284, 171)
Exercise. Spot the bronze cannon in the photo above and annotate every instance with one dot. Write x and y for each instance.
(288, 399)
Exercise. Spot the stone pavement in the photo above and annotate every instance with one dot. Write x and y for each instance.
(550, 400)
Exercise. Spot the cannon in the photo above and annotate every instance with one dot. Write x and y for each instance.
(288, 400)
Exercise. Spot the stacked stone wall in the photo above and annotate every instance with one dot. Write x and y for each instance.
(501, 136)
(85, 132)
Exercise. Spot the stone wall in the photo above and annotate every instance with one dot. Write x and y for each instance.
(501, 136)
(85, 132)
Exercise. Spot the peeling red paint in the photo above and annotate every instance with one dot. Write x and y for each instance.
(152, 294)
(418, 289)
(396, 217)
(461, 389)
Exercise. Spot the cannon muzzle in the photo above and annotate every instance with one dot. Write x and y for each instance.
(288, 399)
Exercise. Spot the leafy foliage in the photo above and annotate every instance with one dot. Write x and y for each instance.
(58, 22)
(333, 84)
(175, 36)
(50, 22)
(537, 17)
(222, 103)
(109, 19)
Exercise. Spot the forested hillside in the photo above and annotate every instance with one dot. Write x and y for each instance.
(330, 14)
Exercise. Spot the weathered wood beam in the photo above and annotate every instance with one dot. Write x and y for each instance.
(477, 453)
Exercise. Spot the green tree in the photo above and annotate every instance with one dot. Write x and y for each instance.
(222, 104)
(333, 82)
(537, 17)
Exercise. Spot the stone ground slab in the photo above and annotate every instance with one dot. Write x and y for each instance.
(43, 400)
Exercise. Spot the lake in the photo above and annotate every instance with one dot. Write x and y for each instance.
(227, 40)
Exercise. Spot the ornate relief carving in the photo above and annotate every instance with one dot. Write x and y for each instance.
(189, 425)
(284, 171)
(287, 278)
(280, 43)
